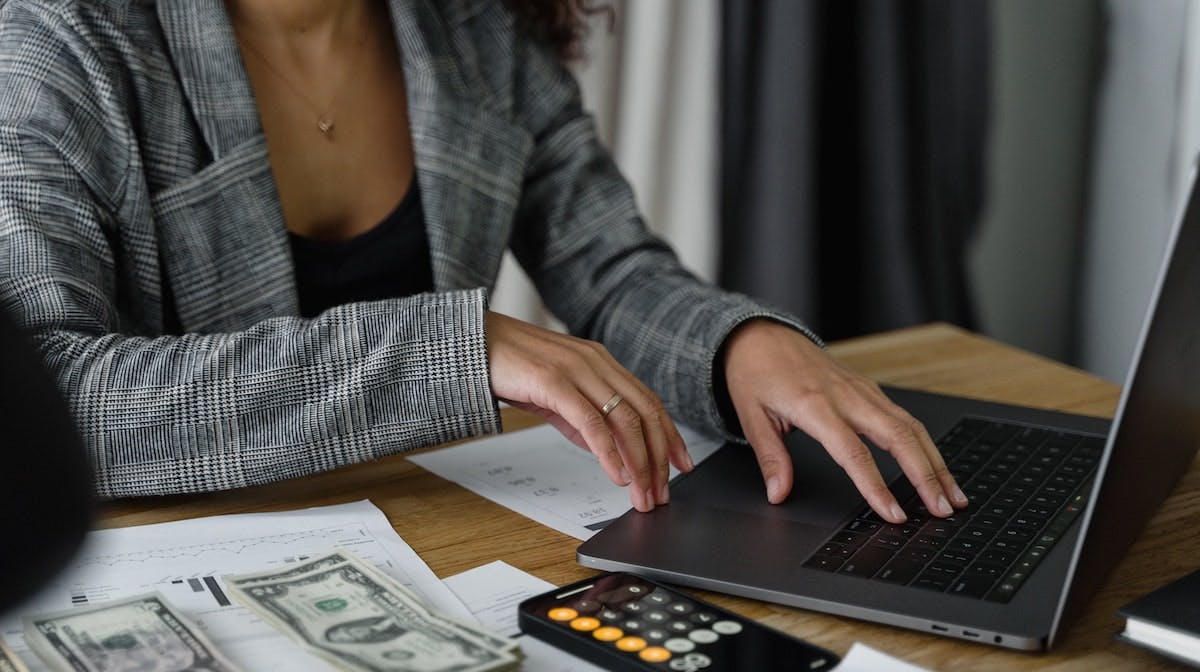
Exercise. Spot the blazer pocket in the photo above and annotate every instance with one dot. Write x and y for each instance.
(224, 243)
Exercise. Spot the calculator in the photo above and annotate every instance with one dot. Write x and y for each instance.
(622, 621)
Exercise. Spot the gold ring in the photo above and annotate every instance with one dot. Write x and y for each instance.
(612, 403)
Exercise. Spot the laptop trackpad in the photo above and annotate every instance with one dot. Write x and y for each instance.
(822, 494)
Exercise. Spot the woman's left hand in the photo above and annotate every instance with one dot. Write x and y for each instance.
(779, 379)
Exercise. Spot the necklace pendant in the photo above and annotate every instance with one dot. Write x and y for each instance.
(325, 125)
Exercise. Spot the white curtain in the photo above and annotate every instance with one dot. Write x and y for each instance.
(1146, 138)
(652, 85)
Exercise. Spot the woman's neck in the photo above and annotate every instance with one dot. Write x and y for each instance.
(322, 20)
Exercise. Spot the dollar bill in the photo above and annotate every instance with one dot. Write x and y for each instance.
(9, 661)
(359, 619)
(144, 633)
(341, 556)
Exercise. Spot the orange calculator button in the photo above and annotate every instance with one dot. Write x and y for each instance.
(631, 644)
(655, 654)
(608, 634)
(562, 614)
(585, 624)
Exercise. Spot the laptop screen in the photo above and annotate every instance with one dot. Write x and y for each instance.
(1157, 426)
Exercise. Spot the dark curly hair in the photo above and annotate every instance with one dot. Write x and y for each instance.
(561, 24)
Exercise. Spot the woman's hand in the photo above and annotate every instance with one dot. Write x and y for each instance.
(778, 379)
(567, 381)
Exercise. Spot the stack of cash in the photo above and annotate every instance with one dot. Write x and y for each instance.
(9, 661)
(357, 618)
(138, 633)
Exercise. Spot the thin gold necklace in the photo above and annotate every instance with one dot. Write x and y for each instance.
(325, 114)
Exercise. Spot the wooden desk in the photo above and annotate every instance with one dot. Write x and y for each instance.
(454, 530)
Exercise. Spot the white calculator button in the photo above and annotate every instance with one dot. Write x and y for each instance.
(698, 660)
(703, 636)
(679, 645)
(727, 627)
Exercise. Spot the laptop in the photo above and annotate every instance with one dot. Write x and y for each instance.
(1056, 501)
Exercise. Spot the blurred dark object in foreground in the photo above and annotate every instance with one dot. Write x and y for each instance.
(45, 481)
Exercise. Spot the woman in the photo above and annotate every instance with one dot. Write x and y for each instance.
(175, 179)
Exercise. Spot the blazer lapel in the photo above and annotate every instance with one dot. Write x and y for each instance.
(470, 156)
(224, 237)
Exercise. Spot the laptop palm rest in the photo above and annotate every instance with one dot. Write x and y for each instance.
(822, 494)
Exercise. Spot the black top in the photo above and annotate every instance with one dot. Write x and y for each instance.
(387, 261)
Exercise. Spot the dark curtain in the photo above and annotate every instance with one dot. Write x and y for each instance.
(852, 137)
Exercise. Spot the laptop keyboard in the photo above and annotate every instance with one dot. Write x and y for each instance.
(1026, 486)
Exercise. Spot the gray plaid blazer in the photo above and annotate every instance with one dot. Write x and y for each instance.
(132, 163)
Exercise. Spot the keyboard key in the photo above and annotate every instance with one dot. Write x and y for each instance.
(928, 541)
(1016, 534)
(888, 541)
(987, 569)
(998, 557)
(987, 522)
(921, 555)
(956, 557)
(979, 534)
(971, 585)
(900, 571)
(850, 538)
(932, 582)
(937, 528)
(833, 550)
(866, 561)
(861, 526)
(965, 545)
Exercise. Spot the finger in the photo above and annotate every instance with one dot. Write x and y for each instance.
(566, 400)
(899, 437)
(676, 446)
(949, 485)
(646, 412)
(637, 420)
(773, 458)
(820, 422)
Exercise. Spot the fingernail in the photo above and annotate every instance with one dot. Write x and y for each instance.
(898, 513)
(687, 462)
(625, 477)
(959, 497)
(649, 499)
(664, 494)
(773, 488)
(944, 505)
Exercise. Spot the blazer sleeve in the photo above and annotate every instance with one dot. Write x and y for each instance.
(174, 414)
(599, 269)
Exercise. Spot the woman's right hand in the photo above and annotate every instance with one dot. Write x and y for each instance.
(567, 381)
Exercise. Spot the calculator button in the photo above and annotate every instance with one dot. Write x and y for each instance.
(727, 627)
(607, 634)
(633, 625)
(634, 607)
(654, 654)
(562, 614)
(631, 644)
(585, 624)
(703, 636)
(656, 635)
(703, 618)
(679, 626)
(609, 615)
(680, 608)
(658, 597)
(692, 662)
(587, 606)
(636, 590)
(679, 645)
(657, 617)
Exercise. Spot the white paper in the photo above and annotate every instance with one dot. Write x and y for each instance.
(185, 560)
(492, 593)
(541, 475)
(862, 658)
